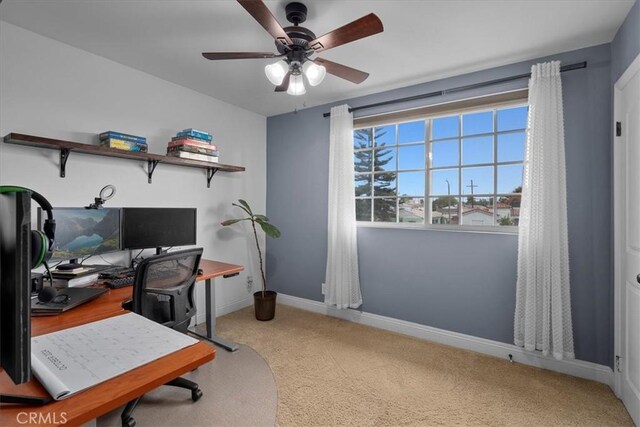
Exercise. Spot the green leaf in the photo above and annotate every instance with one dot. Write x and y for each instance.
(242, 207)
(246, 205)
(233, 221)
(269, 230)
(261, 218)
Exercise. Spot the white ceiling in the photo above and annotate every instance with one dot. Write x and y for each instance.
(422, 40)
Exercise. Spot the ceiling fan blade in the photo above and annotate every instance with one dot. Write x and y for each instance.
(237, 55)
(342, 71)
(263, 15)
(285, 83)
(358, 29)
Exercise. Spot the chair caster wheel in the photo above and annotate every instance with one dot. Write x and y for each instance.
(196, 395)
(128, 422)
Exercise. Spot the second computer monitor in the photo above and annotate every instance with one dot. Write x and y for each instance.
(144, 228)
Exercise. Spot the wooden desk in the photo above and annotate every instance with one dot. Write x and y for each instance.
(220, 269)
(105, 397)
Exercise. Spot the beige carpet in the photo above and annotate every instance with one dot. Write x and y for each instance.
(333, 372)
(238, 390)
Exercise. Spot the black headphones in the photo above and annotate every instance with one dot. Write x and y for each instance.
(41, 242)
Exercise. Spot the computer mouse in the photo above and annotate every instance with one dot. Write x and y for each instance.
(200, 272)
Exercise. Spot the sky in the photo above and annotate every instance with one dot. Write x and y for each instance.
(80, 213)
(476, 149)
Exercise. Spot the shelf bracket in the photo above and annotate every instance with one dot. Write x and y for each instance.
(64, 156)
(210, 173)
(151, 167)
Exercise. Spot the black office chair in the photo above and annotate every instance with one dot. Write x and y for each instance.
(163, 291)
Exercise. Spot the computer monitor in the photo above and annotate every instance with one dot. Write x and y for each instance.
(15, 285)
(144, 228)
(82, 232)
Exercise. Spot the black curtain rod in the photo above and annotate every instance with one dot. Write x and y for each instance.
(570, 67)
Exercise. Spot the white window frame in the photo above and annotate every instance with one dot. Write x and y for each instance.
(428, 118)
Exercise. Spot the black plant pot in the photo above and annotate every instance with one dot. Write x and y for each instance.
(265, 304)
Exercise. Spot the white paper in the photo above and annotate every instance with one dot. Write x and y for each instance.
(75, 359)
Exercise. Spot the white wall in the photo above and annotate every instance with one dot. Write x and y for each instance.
(54, 90)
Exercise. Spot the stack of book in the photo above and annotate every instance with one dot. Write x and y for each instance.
(193, 145)
(123, 141)
(82, 276)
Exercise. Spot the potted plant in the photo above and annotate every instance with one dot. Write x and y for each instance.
(264, 301)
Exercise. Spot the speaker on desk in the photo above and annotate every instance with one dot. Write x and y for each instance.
(47, 294)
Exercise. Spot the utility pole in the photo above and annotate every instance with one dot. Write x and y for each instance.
(472, 199)
(449, 199)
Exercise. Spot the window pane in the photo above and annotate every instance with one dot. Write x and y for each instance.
(444, 153)
(439, 185)
(475, 123)
(477, 150)
(363, 209)
(411, 183)
(390, 163)
(384, 184)
(510, 179)
(384, 159)
(445, 127)
(511, 147)
(363, 185)
(362, 138)
(477, 211)
(363, 161)
(411, 157)
(512, 118)
(411, 132)
(411, 210)
(384, 210)
(480, 178)
(444, 210)
(385, 135)
(508, 210)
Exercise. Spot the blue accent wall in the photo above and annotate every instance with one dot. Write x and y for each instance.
(458, 281)
(626, 44)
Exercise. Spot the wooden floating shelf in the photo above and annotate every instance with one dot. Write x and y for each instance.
(66, 147)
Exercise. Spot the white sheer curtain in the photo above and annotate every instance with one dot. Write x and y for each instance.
(543, 305)
(342, 282)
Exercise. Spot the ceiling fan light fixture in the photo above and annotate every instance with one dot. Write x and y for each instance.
(295, 44)
(296, 85)
(315, 73)
(275, 72)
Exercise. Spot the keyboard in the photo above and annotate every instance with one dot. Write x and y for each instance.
(120, 282)
(116, 271)
(118, 277)
(126, 277)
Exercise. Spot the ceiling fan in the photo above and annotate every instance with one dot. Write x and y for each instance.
(296, 45)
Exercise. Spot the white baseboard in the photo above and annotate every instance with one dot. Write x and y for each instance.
(201, 317)
(577, 368)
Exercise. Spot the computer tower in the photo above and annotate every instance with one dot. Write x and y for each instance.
(15, 285)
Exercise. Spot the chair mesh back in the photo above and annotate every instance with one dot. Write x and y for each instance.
(164, 287)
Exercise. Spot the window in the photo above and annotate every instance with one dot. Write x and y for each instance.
(454, 169)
